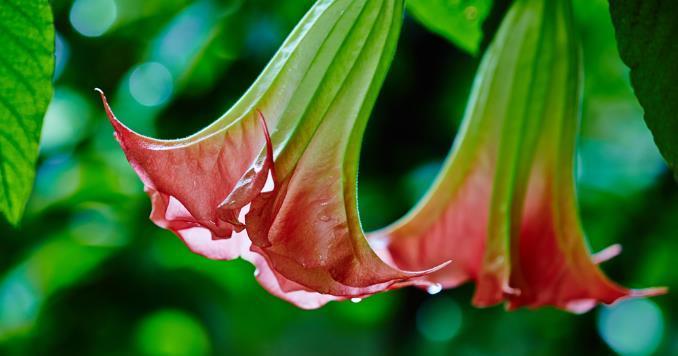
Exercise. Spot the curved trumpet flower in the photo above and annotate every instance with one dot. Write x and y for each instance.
(304, 235)
(504, 207)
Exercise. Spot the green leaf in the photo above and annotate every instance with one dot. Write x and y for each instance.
(646, 32)
(26, 67)
(460, 21)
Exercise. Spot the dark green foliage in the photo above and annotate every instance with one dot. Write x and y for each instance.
(646, 34)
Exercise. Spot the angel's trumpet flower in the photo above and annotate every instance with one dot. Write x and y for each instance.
(315, 96)
(504, 208)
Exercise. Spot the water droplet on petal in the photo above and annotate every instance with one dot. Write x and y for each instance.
(434, 288)
(324, 218)
(257, 273)
(356, 300)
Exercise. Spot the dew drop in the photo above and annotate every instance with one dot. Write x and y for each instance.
(356, 300)
(257, 273)
(434, 288)
(324, 218)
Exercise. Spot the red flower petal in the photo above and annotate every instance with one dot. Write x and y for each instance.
(553, 265)
(451, 225)
(201, 181)
(308, 236)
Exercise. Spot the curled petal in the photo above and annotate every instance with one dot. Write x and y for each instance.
(189, 179)
(337, 260)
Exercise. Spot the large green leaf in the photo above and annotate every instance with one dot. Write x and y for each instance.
(460, 21)
(26, 66)
(646, 34)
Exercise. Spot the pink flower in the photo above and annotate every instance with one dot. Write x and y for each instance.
(303, 232)
(504, 206)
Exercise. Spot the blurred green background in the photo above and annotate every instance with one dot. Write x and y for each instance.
(88, 273)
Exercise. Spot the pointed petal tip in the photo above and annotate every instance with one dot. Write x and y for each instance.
(607, 254)
(118, 126)
(269, 143)
(648, 292)
(585, 305)
(104, 100)
(413, 274)
(582, 306)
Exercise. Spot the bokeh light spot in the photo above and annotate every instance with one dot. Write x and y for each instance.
(151, 84)
(632, 327)
(96, 226)
(65, 121)
(58, 178)
(439, 319)
(172, 332)
(62, 53)
(263, 36)
(419, 181)
(19, 302)
(92, 18)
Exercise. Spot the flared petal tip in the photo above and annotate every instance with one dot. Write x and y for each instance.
(120, 129)
(414, 274)
(607, 254)
(648, 292)
(585, 305)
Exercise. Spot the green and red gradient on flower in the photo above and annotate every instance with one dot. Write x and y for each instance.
(274, 180)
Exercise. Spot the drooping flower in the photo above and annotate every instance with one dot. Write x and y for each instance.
(303, 234)
(504, 208)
